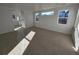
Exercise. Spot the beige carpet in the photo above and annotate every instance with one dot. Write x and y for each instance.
(47, 42)
(9, 40)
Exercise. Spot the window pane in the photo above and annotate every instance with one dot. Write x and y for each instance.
(37, 19)
(36, 14)
(62, 20)
(47, 13)
(64, 13)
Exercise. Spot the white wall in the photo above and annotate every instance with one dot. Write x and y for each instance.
(28, 18)
(77, 19)
(50, 22)
(7, 22)
(76, 31)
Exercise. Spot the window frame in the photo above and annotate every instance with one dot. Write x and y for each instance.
(37, 16)
(62, 17)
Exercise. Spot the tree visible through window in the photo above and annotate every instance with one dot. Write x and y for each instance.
(63, 17)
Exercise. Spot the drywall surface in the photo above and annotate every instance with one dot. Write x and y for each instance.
(7, 23)
(76, 31)
(77, 20)
(28, 17)
(50, 22)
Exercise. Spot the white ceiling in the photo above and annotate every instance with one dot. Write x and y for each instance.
(37, 6)
(53, 5)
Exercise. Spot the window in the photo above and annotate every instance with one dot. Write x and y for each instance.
(63, 16)
(47, 13)
(37, 16)
(40, 13)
